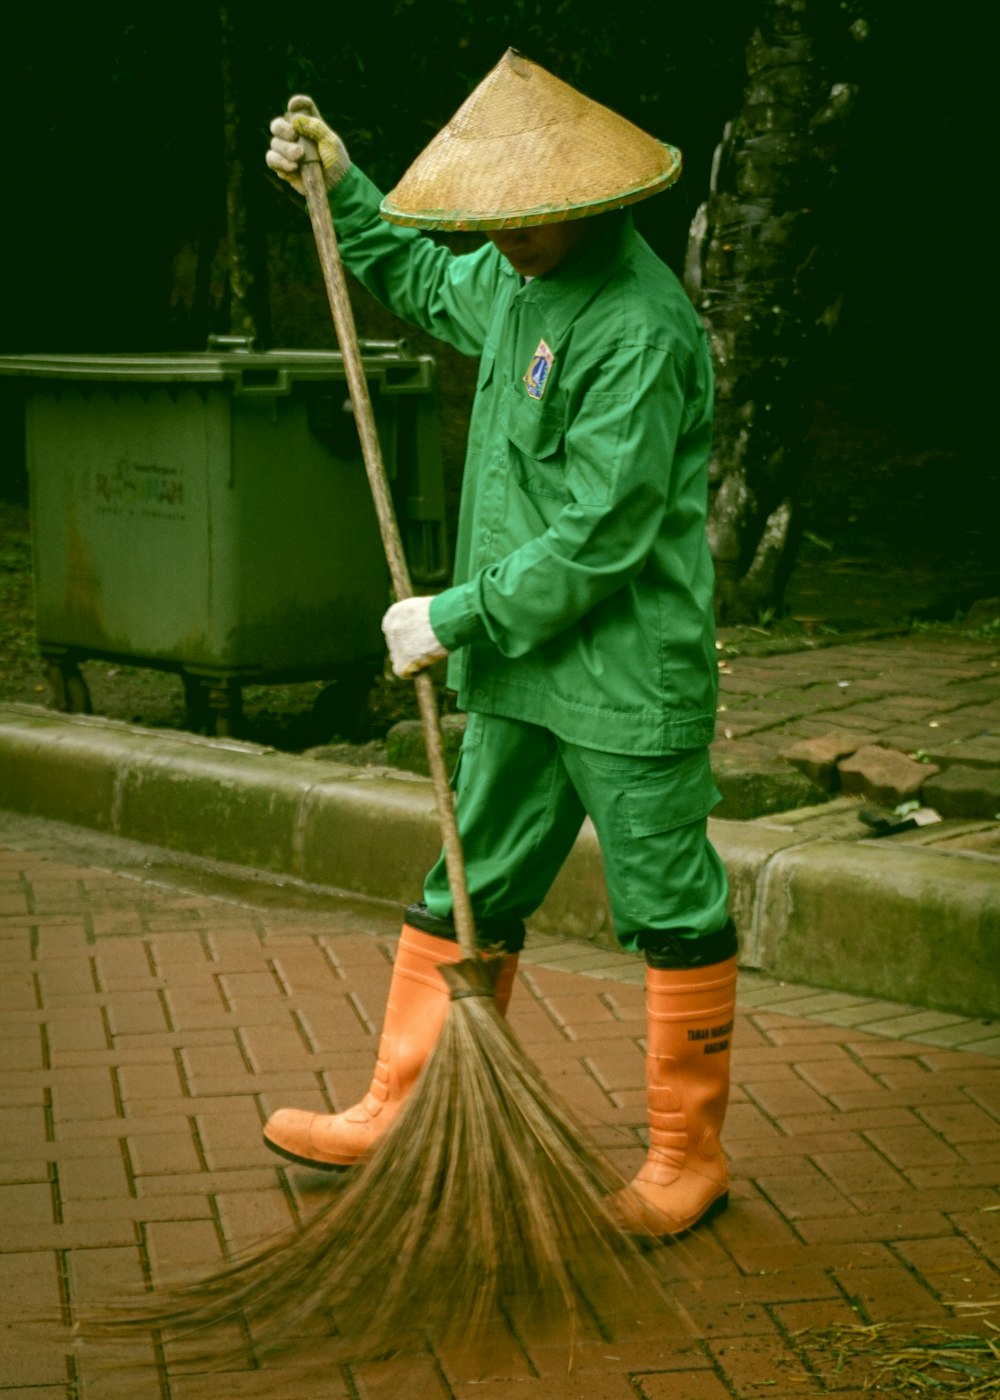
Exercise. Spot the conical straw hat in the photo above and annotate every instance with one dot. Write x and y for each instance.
(526, 148)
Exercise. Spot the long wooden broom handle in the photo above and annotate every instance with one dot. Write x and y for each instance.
(357, 383)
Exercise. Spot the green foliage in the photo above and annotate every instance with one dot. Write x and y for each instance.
(15, 540)
(987, 631)
(17, 631)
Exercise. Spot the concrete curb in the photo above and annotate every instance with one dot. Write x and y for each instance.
(907, 922)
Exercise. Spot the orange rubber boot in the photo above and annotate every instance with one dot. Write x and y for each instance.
(684, 1178)
(414, 1014)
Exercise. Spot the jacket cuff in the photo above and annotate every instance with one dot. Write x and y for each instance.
(454, 617)
(354, 199)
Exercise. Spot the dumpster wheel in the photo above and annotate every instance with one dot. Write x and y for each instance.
(212, 705)
(225, 700)
(341, 708)
(68, 690)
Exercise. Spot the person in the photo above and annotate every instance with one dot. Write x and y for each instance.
(579, 627)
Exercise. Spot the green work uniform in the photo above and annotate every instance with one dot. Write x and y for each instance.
(582, 600)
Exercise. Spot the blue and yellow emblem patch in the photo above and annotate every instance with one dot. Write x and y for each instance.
(539, 370)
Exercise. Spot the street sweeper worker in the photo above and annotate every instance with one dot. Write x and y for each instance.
(579, 627)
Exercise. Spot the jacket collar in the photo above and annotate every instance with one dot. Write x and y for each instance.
(577, 280)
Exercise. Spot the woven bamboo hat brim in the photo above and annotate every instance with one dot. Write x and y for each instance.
(526, 148)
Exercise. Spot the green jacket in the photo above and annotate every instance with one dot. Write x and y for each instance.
(583, 583)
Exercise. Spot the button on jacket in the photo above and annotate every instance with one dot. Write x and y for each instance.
(582, 598)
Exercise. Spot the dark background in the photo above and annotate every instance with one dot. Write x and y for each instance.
(114, 233)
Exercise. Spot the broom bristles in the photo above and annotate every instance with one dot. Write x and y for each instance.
(483, 1196)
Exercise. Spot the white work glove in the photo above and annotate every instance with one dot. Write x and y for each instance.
(410, 637)
(284, 155)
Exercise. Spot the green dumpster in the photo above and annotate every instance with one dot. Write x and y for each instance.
(209, 513)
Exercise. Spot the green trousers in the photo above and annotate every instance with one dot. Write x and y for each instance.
(521, 795)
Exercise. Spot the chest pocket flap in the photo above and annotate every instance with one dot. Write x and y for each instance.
(534, 426)
(536, 430)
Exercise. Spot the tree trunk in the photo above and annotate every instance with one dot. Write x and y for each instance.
(758, 274)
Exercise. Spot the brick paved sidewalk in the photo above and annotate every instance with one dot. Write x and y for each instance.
(147, 1029)
(932, 694)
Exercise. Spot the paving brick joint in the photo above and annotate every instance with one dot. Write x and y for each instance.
(152, 1017)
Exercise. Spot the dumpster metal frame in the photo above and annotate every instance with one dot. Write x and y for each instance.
(255, 383)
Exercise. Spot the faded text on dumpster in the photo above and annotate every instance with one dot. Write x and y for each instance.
(140, 488)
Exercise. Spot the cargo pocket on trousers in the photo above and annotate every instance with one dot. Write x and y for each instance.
(683, 791)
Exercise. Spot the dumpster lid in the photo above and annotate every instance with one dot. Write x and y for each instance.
(211, 366)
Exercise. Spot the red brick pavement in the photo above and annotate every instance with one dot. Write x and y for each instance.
(146, 1031)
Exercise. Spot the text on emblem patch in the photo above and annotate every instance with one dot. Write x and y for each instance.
(538, 371)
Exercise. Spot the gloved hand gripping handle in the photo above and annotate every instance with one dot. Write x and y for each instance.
(357, 383)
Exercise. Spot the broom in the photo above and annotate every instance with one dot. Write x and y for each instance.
(483, 1201)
